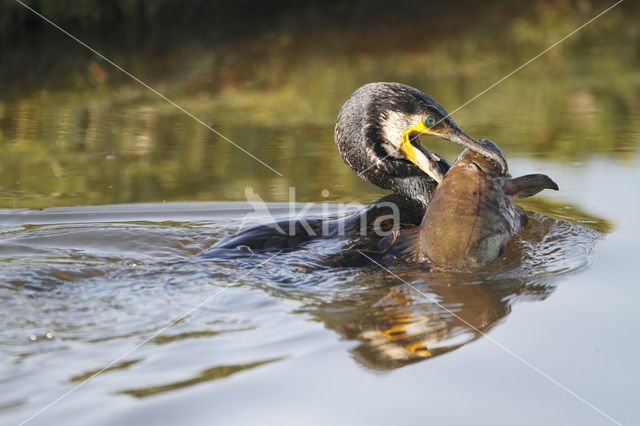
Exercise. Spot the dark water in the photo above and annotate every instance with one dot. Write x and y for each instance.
(107, 195)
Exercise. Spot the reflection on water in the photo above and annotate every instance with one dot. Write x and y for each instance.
(79, 286)
(119, 143)
(214, 373)
(91, 282)
(428, 313)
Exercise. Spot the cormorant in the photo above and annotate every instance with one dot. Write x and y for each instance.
(376, 134)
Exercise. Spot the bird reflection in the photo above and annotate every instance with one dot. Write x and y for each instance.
(412, 322)
(413, 314)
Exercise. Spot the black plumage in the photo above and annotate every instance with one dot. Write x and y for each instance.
(368, 134)
(359, 135)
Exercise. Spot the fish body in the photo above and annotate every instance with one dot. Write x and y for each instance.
(472, 217)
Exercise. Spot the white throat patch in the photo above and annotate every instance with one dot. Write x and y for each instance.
(392, 129)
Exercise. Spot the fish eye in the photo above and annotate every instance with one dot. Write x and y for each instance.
(429, 120)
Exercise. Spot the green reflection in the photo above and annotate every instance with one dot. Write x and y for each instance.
(103, 139)
(567, 212)
(214, 373)
(162, 339)
(118, 366)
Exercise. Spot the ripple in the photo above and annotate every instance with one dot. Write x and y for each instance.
(103, 288)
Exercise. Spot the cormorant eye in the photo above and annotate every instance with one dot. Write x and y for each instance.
(429, 120)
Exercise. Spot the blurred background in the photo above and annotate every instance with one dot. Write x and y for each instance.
(79, 286)
(272, 76)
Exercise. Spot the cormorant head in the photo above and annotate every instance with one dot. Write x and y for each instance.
(377, 135)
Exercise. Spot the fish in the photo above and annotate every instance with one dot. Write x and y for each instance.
(472, 215)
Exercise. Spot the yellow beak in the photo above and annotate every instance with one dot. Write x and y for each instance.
(454, 134)
(416, 156)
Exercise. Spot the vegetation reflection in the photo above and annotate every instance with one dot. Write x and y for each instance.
(91, 136)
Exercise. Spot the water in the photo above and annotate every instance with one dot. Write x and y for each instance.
(84, 286)
(108, 194)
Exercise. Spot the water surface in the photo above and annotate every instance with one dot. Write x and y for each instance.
(108, 194)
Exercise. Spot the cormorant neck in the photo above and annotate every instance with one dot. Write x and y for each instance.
(374, 113)
(416, 188)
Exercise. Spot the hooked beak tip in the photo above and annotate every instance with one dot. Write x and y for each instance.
(461, 138)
